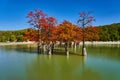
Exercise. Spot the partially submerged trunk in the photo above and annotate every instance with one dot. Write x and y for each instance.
(52, 47)
(39, 42)
(60, 44)
(75, 46)
(79, 44)
(39, 48)
(49, 49)
(44, 48)
(72, 45)
(66, 48)
(84, 52)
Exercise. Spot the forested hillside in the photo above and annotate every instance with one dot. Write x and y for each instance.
(12, 36)
(110, 32)
(106, 33)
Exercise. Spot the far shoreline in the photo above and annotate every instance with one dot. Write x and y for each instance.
(87, 43)
(15, 43)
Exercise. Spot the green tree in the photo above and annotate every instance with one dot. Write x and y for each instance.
(13, 38)
(19, 38)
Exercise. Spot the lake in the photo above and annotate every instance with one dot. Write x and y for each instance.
(22, 63)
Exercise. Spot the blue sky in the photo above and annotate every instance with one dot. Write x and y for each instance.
(13, 12)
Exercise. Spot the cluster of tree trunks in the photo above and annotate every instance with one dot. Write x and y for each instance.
(48, 48)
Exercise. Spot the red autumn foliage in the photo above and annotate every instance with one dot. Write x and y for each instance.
(78, 34)
(31, 35)
(37, 18)
(85, 19)
(91, 33)
(43, 26)
(48, 29)
(65, 31)
(68, 32)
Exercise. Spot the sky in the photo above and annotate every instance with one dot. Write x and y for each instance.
(13, 12)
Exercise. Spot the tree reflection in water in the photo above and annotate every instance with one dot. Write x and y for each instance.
(55, 67)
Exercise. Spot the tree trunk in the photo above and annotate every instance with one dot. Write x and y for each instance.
(79, 44)
(48, 49)
(44, 48)
(72, 45)
(60, 45)
(75, 47)
(84, 53)
(66, 48)
(39, 48)
(39, 41)
(52, 47)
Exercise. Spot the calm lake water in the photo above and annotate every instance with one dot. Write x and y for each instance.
(20, 63)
